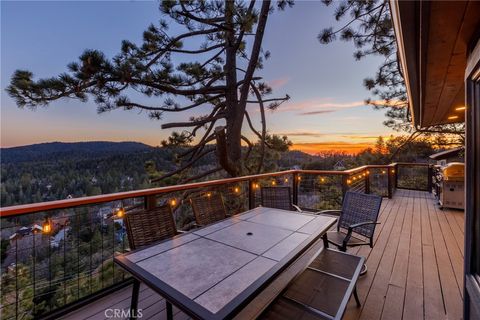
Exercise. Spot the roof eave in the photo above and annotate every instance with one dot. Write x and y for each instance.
(410, 73)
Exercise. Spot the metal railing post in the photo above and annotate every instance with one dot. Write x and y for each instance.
(251, 194)
(389, 183)
(295, 188)
(344, 185)
(367, 182)
(395, 167)
(430, 178)
(150, 202)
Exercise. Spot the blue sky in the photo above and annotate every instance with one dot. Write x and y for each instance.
(325, 82)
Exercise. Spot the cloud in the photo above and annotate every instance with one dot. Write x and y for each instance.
(360, 137)
(334, 146)
(364, 138)
(331, 107)
(316, 112)
(325, 105)
(303, 134)
(278, 83)
(318, 106)
(302, 105)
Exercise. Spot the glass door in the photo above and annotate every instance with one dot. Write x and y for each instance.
(472, 209)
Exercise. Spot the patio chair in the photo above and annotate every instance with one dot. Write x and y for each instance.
(356, 223)
(278, 198)
(145, 227)
(321, 291)
(208, 208)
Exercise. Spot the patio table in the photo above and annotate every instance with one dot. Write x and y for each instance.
(215, 271)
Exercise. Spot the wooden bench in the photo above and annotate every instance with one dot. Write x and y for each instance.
(322, 291)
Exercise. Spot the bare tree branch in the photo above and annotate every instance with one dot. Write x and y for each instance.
(185, 166)
(264, 127)
(202, 175)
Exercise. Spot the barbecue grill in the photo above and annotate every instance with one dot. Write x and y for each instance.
(451, 186)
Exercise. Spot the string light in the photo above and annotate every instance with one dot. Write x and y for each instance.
(452, 117)
(173, 202)
(460, 108)
(393, 171)
(286, 180)
(368, 172)
(274, 182)
(120, 213)
(236, 189)
(47, 226)
(322, 179)
(349, 181)
(299, 178)
(209, 194)
(383, 172)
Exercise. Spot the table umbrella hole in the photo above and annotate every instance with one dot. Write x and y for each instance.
(249, 234)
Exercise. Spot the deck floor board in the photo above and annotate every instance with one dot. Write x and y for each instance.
(414, 269)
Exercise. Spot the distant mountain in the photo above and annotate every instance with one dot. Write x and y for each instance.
(67, 150)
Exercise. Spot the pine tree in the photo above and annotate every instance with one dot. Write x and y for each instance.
(221, 74)
(368, 25)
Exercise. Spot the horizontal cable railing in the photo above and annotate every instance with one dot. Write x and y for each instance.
(414, 176)
(58, 254)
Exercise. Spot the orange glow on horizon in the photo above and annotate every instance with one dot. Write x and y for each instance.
(343, 147)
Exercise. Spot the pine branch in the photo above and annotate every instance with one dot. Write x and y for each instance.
(167, 109)
(192, 123)
(252, 65)
(185, 166)
(202, 175)
(242, 31)
(264, 127)
(220, 45)
(174, 41)
(212, 21)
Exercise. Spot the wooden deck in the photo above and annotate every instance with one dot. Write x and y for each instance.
(415, 270)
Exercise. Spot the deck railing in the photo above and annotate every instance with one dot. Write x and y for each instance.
(45, 274)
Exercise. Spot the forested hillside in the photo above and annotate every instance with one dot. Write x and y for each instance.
(53, 171)
(64, 150)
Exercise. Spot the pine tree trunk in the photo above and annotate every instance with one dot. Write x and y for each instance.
(231, 161)
(230, 155)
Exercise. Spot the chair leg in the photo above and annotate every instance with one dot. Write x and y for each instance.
(355, 294)
(169, 311)
(325, 241)
(134, 303)
(364, 270)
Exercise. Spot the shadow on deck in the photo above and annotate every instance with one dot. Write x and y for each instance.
(415, 270)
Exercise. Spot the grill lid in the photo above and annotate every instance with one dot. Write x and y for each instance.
(453, 170)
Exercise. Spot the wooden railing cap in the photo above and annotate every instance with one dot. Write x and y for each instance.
(76, 202)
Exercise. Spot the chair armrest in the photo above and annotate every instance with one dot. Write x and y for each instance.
(297, 208)
(353, 226)
(330, 212)
(360, 224)
(181, 231)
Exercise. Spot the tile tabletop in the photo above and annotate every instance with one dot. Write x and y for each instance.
(213, 265)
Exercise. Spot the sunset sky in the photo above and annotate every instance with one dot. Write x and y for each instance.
(326, 110)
